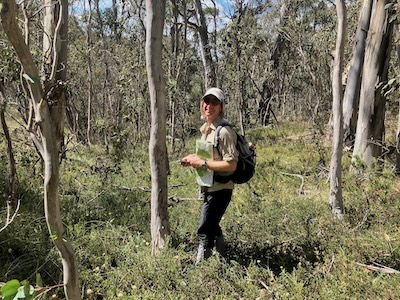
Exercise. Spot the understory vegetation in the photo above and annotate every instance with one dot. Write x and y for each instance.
(282, 241)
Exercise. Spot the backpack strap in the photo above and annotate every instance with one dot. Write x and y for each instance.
(217, 176)
(217, 135)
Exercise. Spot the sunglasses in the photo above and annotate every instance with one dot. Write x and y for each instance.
(211, 100)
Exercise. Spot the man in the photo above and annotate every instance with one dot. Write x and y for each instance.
(224, 161)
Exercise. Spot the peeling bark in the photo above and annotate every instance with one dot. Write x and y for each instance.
(370, 124)
(48, 106)
(353, 85)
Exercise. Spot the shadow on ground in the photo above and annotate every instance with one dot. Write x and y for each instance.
(284, 256)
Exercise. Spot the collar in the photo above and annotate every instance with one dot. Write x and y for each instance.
(218, 121)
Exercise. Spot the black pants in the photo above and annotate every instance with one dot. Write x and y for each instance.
(214, 207)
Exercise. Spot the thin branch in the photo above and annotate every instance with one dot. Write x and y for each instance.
(10, 220)
(331, 264)
(264, 284)
(366, 215)
(45, 290)
(193, 25)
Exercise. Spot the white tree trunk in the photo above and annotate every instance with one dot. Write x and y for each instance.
(335, 175)
(398, 123)
(46, 135)
(370, 124)
(398, 144)
(210, 78)
(352, 92)
(89, 70)
(48, 36)
(157, 146)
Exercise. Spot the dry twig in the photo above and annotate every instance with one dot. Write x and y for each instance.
(379, 268)
(301, 188)
(10, 218)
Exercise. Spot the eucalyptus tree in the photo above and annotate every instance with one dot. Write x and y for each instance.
(141, 106)
(353, 84)
(120, 110)
(296, 77)
(311, 34)
(236, 87)
(370, 124)
(243, 63)
(244, 41)
(160, 228)
(287, 11)
(90, 99)
(185, 75)
(398, 144)
(398, 121)
(210, 78)
(177, 63)
(46, 123)
(335, 174)
(241, 87)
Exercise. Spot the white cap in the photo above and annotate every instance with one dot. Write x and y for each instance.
(216, 92)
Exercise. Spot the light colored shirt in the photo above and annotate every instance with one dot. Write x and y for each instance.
(227, 147)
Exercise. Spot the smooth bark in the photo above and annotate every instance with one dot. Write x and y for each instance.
(210, 78)
(398, 122)
(352, 92)
(48, 36)
(160, 228)
(335, 175)
(45, 133)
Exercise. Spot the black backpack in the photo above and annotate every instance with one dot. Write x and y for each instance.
(247, 159)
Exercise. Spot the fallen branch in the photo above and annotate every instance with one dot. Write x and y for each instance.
(130, 189)
(177, 185)
(301, 188)
(379, 268)
(174, 198)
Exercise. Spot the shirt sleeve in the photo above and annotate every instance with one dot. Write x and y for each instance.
(227, 144)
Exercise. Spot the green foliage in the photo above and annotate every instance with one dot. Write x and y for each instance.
(10, 289)
(14, 290)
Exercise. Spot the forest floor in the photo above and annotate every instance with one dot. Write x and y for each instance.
(282, 240)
